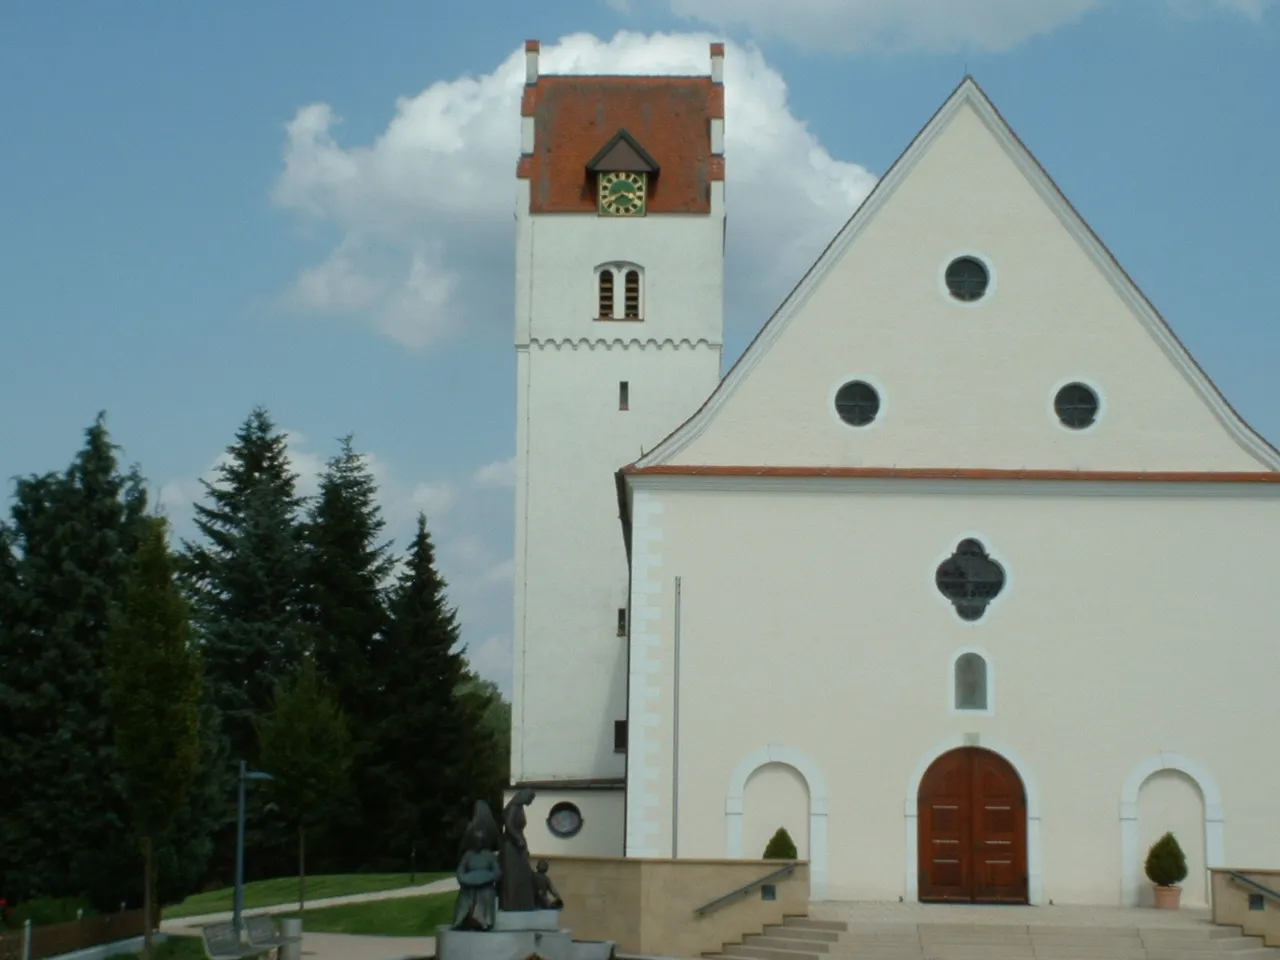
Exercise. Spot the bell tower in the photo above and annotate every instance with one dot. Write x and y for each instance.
(620, 223)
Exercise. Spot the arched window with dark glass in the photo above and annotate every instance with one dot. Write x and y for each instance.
(971, 682)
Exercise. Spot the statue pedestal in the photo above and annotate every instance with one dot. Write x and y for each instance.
(513, 920)
(519, 935)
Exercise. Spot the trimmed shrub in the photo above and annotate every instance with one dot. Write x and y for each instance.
(780, 846)
(1166, 863)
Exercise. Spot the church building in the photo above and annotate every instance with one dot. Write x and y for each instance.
(961, 573)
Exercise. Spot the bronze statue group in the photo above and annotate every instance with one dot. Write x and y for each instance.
(495, 873)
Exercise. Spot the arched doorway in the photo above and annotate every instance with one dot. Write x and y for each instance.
(972, 823)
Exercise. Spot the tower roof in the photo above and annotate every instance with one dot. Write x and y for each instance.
(641, 121)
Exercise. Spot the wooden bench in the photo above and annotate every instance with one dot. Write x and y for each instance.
(263, 932)
(222, 943)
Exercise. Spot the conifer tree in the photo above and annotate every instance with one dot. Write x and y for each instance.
(433, 756)
(155, 683)
(246, 580)
(68, 547)
(347, 572)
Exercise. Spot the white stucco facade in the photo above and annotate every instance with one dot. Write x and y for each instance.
(792, 659)
(1135, 630)
(576, 425)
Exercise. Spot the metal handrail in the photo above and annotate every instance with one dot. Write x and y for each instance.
(744, 890)
(1264, 890)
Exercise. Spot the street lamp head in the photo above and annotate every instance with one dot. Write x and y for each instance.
(258, 775)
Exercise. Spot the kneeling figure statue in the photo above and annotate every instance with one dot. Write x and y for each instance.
(478, 873)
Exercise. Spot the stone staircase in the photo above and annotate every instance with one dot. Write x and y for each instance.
(801, 938)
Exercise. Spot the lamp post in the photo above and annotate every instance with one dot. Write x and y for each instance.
(245, 776)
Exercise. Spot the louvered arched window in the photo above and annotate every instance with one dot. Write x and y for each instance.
(619, 292)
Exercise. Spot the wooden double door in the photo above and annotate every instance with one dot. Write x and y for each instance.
(972, 821)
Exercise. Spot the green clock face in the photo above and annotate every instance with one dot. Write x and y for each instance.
(622, 194)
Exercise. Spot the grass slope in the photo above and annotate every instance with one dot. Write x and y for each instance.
(402, 917)
(178, 948)
(282, 890)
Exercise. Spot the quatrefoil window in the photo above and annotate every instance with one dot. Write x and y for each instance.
(970, 579)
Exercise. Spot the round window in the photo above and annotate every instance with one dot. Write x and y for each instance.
(857, 403)
(1076, 406)
(564, 820)
(967, 279)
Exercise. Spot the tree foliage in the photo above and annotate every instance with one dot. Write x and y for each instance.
(68, 549)
(288, 603)
(306, 748)
(348, 566)
(155, 682)
(246, 579)
(780, 846)
(433, 757)
(1166, 863)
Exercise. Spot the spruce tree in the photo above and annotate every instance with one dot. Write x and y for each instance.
(68, 549)
(155, 683)
(434, 758)
(347, 570)
(246, 580)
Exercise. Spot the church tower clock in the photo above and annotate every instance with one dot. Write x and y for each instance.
(619, 330)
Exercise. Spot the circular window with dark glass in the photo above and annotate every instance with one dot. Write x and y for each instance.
(1076, 406)
(564, 820)
(857, 403)
(967, 279)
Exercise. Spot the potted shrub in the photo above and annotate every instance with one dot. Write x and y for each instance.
(780, 846)
(1166, 868)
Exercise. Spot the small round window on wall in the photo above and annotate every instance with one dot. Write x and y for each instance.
(857, 403)
(564, 820)
(1076, 406)
(967, 279)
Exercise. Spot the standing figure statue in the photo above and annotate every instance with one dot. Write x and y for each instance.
(478, 871)
(545, 896)
(516, 889)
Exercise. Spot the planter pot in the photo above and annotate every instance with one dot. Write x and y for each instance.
(1167, 897)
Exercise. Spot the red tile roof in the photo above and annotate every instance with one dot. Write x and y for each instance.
(575, 116)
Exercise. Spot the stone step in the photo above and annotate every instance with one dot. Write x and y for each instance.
(787, 943)
(959, 950)
(766, 953)
(807, 923)
(801, 933)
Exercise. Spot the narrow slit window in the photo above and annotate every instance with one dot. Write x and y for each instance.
(606, 295)
(624, 395)
(622, 621)
(619, 736)
(971, 682)
(632, 301)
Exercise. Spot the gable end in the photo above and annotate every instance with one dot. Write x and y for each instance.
(969, 94)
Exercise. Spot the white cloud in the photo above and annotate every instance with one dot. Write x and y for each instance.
(432, 499)
(424, 211)
(500, 473)
(931, 26)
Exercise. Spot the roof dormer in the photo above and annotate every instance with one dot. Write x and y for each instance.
(623, 171)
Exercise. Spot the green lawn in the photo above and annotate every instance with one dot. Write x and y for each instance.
(269, 893)
(402, 917)
(178, 948)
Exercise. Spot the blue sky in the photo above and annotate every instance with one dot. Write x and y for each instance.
(210, 206)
